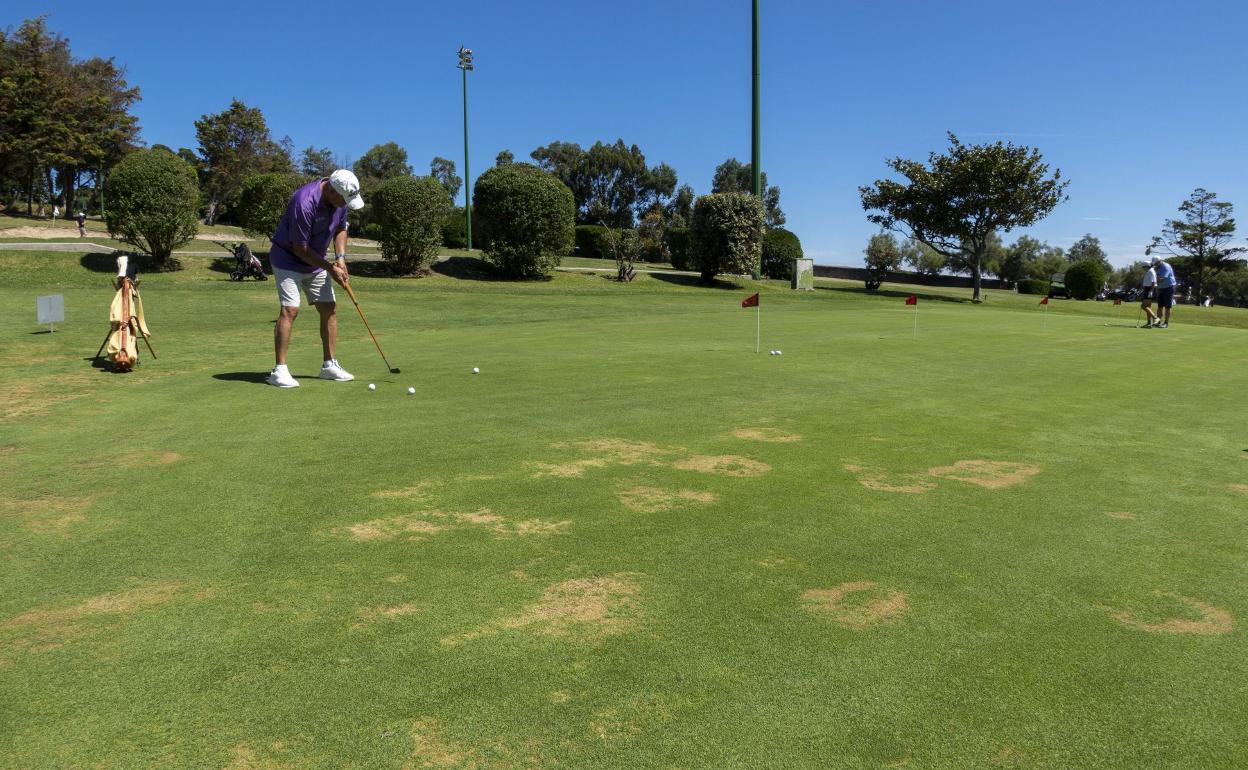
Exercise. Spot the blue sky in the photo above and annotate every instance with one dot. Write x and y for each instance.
(1137, 103)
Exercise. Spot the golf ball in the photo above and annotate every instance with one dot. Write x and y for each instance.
(779, 353)
(411, 391)
(475, 370)
(371, 386)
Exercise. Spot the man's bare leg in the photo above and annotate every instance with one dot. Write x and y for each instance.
(281, 333)
(329, 328)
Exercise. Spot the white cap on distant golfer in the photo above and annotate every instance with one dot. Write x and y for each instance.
(1154, 260)
(346, 185)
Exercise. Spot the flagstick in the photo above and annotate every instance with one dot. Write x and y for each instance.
(916, 319)
(758, 326)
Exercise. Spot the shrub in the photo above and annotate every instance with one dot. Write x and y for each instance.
(589, 241)
(727, 234)
(1085, 279)
(677, 239)
(410, 212)
(624, 246)
(780, 248)
(527, 216)
(455, 229)
(883, 256)
(650, 232)
(1033, 286)
(262, 201)
(152, 204)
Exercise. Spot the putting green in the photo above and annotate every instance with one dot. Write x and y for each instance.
(629, 541)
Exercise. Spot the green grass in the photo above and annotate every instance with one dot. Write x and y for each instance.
(181, 589)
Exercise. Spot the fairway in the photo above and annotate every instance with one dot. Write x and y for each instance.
(1008, 540)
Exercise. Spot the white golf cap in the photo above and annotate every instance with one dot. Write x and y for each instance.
(346, 185)
(1154, 260)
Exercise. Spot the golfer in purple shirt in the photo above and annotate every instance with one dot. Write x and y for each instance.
(315, 216)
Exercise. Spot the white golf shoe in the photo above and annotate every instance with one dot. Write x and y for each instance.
(331, 370)
(282, 378)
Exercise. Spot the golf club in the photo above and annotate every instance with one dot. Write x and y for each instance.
(351, 294)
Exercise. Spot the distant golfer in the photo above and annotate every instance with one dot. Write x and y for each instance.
(81, 219)
(1165, 291)
(1149, 288)
(315, 216)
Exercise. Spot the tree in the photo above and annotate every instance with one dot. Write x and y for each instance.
(960, 199)
(780, 248)
(1088, 249)
(624, 246)
(991, 257)
(922, 258)
(504, 158)
(680, 209)
(1201, 237)
(527, 217)
(262, 201)
(153, 202)
(1129, 277)
(235, 144)
(734, 176)
(883, 256)
(443, 170)
(652, 238)
(411, 212)
(317, 162)
(383, 161)
(611, 183)
(726, 235)
(1085, 279)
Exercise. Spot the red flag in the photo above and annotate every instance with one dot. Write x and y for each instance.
(751, 301)
(1118, 301)
(1044, 301)
(913, 299)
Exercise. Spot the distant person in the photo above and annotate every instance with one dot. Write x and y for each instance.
(1147, 289)
(315, 216)
(81, 219)
(56, 212)
(1165, 291)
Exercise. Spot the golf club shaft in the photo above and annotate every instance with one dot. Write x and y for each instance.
(359, 310)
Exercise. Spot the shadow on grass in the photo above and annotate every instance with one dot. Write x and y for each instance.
(107, 263)
(897, 294)
(473, 269)
(254, 378)
(696, 281)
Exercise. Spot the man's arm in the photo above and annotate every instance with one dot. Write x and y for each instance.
(338, 269)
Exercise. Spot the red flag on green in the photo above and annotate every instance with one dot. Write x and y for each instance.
(1118, 301)
(1044, 301)
(913, 299)
(751, 301)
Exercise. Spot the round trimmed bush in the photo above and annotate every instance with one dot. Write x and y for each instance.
(410, 212)
(780, 248)
(678, 247)
(1033, 286)
(262, 201)
(527, 216)
(153, 204)
(1085, 279)
(727, 234)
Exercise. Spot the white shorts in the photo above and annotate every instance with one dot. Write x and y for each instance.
(318, 286)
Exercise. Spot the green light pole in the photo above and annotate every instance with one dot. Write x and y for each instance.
(756, 164)
(465, 64)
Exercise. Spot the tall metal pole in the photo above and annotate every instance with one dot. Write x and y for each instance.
(465, 64)
(756, 161)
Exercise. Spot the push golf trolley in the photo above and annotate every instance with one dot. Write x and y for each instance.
(246, 264)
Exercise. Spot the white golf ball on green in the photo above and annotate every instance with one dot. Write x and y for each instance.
(475, 370)
(411, 391)
(371, 386)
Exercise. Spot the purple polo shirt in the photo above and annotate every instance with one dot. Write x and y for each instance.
(311, 219)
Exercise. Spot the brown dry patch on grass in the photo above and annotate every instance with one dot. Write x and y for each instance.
(145, 459)
(245, 759)
(878, 481)
(25, 398)
(1006, 756)
(858, 605)
(370, 615)
(49, 514)
(388, 529)
(628, 720)
(988, 474)
(723, 465)
(655, 500)
(1121, 515)
(607, 452)
(416, 491)
(1240, 488)
(775, 562)
(1212, 621)
(769, 435)
(429, 750)
(7, 451)
(560, 696)
(419, 526)
(583, 609)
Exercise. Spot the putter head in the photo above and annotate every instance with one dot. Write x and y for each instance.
(394, 370)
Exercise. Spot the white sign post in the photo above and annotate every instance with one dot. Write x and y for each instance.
(50, 308)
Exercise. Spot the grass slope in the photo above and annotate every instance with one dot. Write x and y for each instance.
(600, 551)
